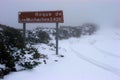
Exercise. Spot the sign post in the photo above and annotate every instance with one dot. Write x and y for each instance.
(41, 17)
(57, 35)
(24, 32)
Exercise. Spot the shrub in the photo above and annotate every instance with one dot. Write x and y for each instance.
(28, 57)
(88, 28)
(67, 32)
(13, 51)
(38, 36)
(10, 41)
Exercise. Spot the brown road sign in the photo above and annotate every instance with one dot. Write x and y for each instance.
(41, 17)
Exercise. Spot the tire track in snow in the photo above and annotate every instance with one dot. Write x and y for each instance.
(98, 64)
(103, 51)
(106, 52)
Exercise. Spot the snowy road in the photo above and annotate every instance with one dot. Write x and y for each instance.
(98, 64)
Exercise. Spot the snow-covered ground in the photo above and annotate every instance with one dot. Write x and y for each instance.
(93, 57)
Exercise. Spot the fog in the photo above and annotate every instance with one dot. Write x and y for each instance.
(76, 12)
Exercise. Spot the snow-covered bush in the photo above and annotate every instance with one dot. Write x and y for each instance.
(10, 41)
(88, 28)
(13, 52)
(27, 58)
(38, 36)
(44, 35)
(66, 32)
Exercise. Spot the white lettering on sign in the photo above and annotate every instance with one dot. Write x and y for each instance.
(55, 19)
(43, 16)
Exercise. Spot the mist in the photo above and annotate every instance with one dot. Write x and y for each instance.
(77, 12)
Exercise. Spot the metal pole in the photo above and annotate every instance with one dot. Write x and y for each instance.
(24, 32)
(57, 32)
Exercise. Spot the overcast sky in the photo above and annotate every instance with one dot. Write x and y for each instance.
(76, 12)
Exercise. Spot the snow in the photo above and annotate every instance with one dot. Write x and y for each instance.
(2, 66)
(93, 57)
